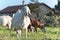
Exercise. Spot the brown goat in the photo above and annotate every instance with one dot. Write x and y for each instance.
(36, 24)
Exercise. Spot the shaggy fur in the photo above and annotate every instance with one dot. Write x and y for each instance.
(21, 20)
(5, 20)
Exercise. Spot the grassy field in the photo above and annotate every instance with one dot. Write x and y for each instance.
(52, 33)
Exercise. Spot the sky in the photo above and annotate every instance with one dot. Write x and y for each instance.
(6, 3)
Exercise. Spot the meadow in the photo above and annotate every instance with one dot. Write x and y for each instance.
(52, 33)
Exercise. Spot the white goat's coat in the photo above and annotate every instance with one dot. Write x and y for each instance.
(4, 20)
(21, 19)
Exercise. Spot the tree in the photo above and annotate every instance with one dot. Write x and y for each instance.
(35, 1)
(34, 7)
(50, 14)
(58, 5)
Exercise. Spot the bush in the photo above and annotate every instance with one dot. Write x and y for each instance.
(50, 21)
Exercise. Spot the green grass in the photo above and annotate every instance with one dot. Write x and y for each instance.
(52, 33)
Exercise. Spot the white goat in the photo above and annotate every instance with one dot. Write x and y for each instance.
(21, 20)
(5, 20)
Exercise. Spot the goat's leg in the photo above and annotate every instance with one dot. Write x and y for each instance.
(28, 28)
(9, 32)
(9, 28)
(35, 29)
(32, 29)
(26, 32)
(18, 33)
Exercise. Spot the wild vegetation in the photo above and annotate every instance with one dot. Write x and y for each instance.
(52, 33)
